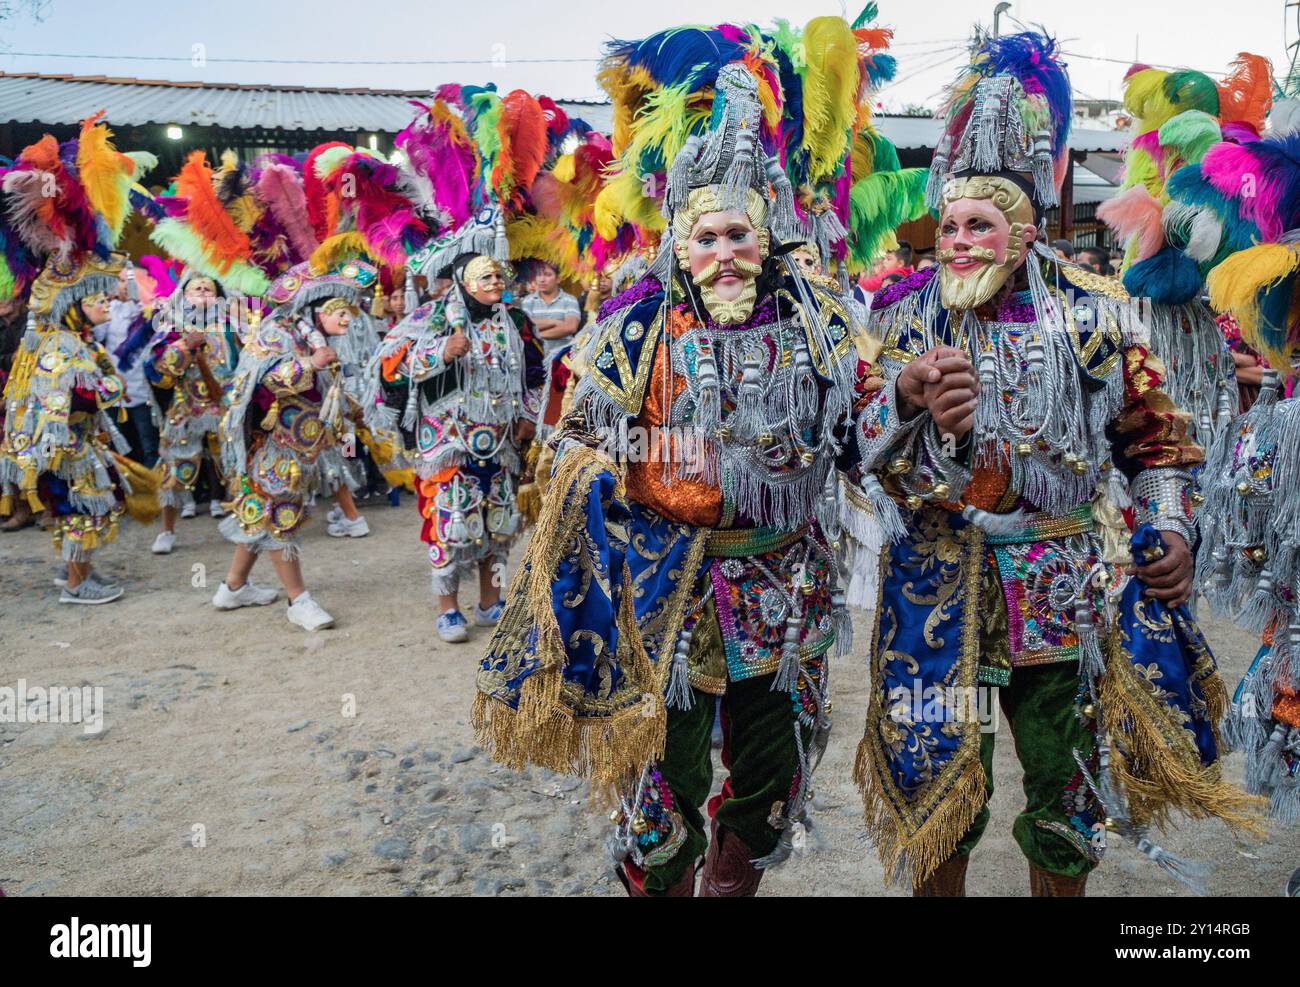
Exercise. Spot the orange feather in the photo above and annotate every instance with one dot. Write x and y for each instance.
(224, 241)
(1246, 95)
(523, 145)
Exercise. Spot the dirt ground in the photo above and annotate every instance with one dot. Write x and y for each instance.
(232, 761)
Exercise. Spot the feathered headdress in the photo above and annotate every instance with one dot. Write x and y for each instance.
(1254, 190)
(67, 204)
(210, 216)
(475, 155)
(371, 207)
(1169, 239)
(847, 176)
(1008, 111)
(1178, 116)
(811, 91)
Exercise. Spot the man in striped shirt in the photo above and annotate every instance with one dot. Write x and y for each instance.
(554, 313)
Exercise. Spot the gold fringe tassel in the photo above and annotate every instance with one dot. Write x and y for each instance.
(1160, 770)
(936, 840)
(545, 730)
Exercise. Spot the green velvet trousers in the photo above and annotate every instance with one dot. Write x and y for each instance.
(1039, 704)
(762, 759)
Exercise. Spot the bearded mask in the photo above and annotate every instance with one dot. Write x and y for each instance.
(704, 202)
(985, 228)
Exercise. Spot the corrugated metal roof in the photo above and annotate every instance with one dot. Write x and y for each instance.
(60, 99)
(68, 100)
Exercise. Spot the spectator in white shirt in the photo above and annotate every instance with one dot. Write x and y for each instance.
(126, 316)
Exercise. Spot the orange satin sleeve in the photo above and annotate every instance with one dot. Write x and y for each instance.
(684, 500)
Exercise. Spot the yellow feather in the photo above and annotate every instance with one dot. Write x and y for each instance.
(105, 173)
(1236, 283)
(337, 249)
(1144, 97)
(864, 154)
(563, 170)
(831, 87)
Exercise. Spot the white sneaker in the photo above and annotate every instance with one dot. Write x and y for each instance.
(343, 528)
(307, 613)
(248, 595)
(162, 545)
(215, 509)
(187, 505)
(334, 515)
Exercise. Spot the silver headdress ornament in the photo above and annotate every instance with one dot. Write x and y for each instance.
(1008, 111)
(730, 158)
(995, 140)
(484, 233)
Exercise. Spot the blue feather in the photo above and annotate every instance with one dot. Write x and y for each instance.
(690, 55)
(881, 68)
(1274, 310)
(1169, 277)
(1188, 185)
(1033, 58)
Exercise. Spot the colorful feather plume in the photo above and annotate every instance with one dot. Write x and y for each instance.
(206, 232)
(1136, 214)
(1258, 286)
(443, 158)
(374, 207)
(280, 188)
(107, 174)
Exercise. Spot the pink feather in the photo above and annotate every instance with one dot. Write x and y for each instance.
(1236, 173)
(1135, 213)
(448, 166)
(160, 273)
(280, 187)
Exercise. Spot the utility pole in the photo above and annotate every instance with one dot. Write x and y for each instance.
(998, 11)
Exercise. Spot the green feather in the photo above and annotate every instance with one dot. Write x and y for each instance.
(868, 15)
(879, 204)
(1192, 133)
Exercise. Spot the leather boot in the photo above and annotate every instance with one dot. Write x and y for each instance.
(728, 872)
(947, 881)
(1045, 884)
(685, 888)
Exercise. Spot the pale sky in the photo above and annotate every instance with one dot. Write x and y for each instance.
(492, 41)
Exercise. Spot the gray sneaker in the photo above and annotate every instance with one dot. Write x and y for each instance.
(61, 579)
(90, 592)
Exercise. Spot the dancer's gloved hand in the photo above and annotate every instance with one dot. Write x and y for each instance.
(1170, 578)
(943, 381)
(323, 357)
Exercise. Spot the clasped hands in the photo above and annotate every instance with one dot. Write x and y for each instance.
(942, 381)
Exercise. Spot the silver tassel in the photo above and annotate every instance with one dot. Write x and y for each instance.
(746, 422)
(986, 408)
(805, 394)
(412, 295)
(1090, 656)
(679, 694)
(132, 289)
(883, 509)
(708, 406)
(787, 673)
(842, 623)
